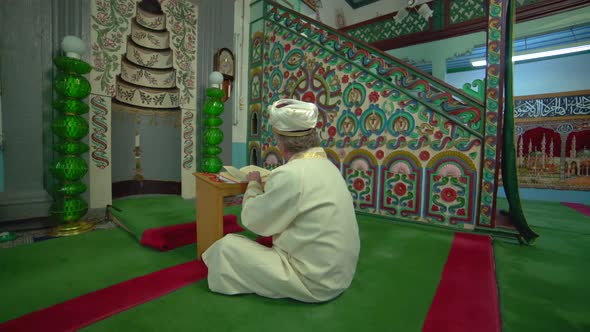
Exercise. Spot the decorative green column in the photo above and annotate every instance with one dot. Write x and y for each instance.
(212, 134)
(70, 127)
(509, 173)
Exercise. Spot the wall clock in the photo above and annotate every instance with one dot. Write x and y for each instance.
(225, 64)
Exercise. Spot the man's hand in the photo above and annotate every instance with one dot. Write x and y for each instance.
(254, 176)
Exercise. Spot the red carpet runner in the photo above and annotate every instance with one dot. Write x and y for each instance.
(466, 299)
(171, 237)
(584, 209)
(92, 307)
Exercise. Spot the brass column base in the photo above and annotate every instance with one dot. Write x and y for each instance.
(72, 228)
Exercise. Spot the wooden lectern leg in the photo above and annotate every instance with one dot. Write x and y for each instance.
(210, 192)
(209, 210)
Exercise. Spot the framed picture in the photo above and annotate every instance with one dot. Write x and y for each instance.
(553, 140)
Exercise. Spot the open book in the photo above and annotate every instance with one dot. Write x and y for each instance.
(239, 175)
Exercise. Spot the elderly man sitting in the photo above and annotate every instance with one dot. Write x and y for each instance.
(307, 209)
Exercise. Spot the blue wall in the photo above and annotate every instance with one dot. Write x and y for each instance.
(533, 78)
(569, 196)
(239, 154)
(548, 76)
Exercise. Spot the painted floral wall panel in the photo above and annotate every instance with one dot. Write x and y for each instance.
(399, 157)
(113, 21)
(144, 59)
(110, 26)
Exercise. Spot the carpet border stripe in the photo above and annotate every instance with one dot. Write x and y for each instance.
(581, 208)
(466, 299)
(84, 310)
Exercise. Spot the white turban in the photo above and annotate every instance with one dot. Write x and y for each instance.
(291, 117)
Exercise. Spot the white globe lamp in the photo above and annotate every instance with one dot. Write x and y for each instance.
(73, 46)
(215, 79)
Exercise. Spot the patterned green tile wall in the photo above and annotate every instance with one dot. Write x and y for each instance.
(389, 29)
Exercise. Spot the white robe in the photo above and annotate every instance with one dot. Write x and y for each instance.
(308, 210)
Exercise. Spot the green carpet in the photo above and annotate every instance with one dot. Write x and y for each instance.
(542, 288)
(141, 213)
(397, 276)
(545, 287)
(38, 275)
(543, 215)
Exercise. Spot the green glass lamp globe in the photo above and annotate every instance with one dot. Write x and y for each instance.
(213, 136)
(69, 168)
(72, 188)
(214, 105)
(72, 85)
(68, 209)
(71, 127)
(212, 164)
(71, 147)
(70, 106)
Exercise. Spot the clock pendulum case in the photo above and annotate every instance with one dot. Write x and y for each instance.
(225, 64)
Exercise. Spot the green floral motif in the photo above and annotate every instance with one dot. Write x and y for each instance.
(494, 93)
(401, 192)
(152, 23)
(111, 21)
(310, 62)
(449, 197)
(462, 11)
(360, 184)
(109, 26)
(374, 69)
(182, 23)
(389, 29)
(480, 93)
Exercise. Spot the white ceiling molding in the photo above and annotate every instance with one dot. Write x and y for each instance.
(420, 6)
